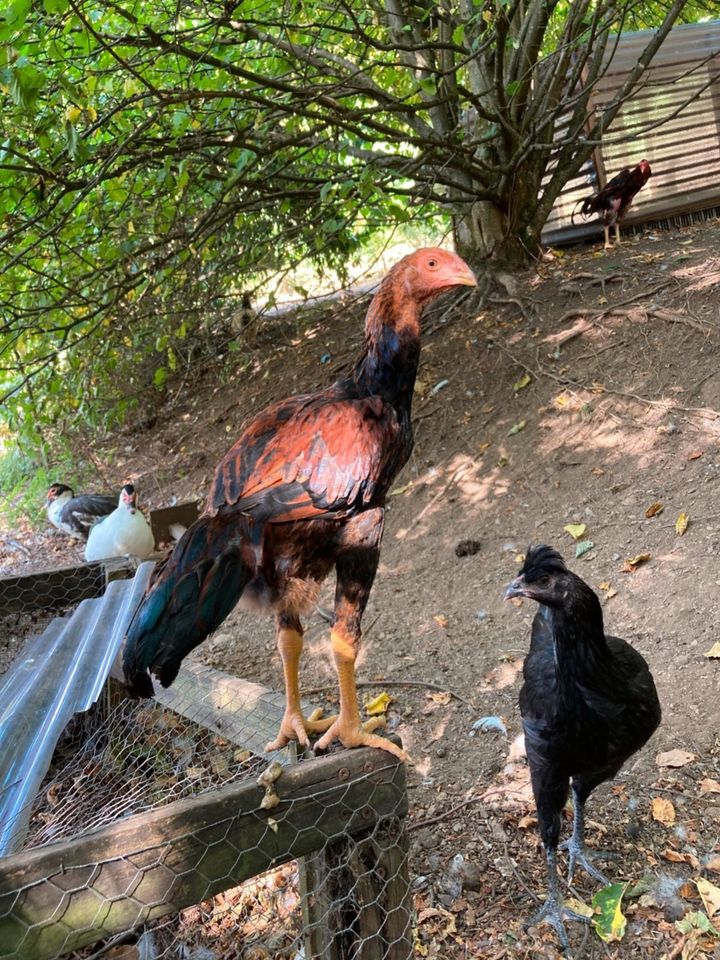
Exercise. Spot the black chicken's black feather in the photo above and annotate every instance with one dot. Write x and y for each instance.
(588, 701)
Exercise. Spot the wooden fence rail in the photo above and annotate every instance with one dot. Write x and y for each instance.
(64, 896)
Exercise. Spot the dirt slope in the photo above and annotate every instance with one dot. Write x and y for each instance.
(520, 432)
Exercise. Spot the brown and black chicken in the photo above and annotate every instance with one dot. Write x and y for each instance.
(587, 704)
(302, 491)
(615, 197)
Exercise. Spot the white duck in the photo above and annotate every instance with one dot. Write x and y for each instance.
(124, 531)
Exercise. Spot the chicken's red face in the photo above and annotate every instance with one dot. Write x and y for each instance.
(57, 490)
(644, 168)
(429, 271)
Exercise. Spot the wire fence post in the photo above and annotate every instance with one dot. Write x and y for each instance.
(355, 895)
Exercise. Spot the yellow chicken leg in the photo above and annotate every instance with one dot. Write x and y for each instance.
(294, 726)
(347, 728)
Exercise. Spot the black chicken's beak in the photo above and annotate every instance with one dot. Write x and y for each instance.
(516, 589)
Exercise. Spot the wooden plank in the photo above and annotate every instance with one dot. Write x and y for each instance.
(64, 896)
(242, 711)
(62, 587)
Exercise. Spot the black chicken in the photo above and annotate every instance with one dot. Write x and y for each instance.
(615, 197)
(587, 704)
(302, 492)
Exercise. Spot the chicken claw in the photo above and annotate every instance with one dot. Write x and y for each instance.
(579, 857)
(294, 726)
(553, 912)
(360, 735)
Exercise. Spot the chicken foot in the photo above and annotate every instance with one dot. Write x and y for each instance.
(294, 726)
(553, 911)
(575, 845)
(347, 728)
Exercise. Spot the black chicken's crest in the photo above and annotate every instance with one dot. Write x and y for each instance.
(540, 561)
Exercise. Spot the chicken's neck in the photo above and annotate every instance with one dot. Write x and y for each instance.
(388, 364)
(580, 647)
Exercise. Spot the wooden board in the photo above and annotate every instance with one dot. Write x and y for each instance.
(64, 896)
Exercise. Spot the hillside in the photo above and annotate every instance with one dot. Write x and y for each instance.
(591, 398)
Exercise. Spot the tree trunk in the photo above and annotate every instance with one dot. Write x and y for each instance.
(486, 239)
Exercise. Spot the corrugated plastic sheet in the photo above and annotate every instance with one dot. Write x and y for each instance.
(61, 672)
(683, 150)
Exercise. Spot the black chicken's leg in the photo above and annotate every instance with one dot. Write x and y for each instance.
(550, 789)
(575, 846)
(553, 911)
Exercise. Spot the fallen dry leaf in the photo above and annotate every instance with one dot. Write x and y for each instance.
(709, 786)
(520, 384)
(631, 563)
(674, 857)
(502, 676)
(681, 524)
(713, 864)
(583, 909)
(377, 706)
(663, 811)
(695, 455)
(710, 895)
(442, 697)
(675, 758)
(604, 585)
(441, 620)
(654, 510)
(714, 652)
(576, 530)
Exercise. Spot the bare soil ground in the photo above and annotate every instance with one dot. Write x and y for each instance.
(591, 398)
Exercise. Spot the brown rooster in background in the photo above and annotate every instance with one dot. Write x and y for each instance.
(302, 491)
(615, 197)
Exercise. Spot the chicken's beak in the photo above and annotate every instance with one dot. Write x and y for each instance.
(464, 278)
(516, 589)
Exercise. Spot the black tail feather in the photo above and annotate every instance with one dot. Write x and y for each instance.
(197, 588)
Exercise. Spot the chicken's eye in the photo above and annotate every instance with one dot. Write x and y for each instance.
(543, 581)
(432, 264)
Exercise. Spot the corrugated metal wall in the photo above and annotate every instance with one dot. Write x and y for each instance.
(684, 151)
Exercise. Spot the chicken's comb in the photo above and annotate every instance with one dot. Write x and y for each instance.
(541, 560)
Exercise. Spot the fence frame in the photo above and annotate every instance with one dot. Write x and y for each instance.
(342, 816)
(69, 894)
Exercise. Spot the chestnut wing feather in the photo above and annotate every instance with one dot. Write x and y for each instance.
(317, 456)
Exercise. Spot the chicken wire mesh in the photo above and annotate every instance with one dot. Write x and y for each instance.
(29, 603)
(162, 831)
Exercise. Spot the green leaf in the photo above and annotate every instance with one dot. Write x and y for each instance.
(609, 920)
(583, 547)
(160, 377)
(697, 920)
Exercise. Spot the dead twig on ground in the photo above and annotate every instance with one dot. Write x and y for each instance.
(397, 683)
(540, 371)
(430, 821)
(571, 286)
